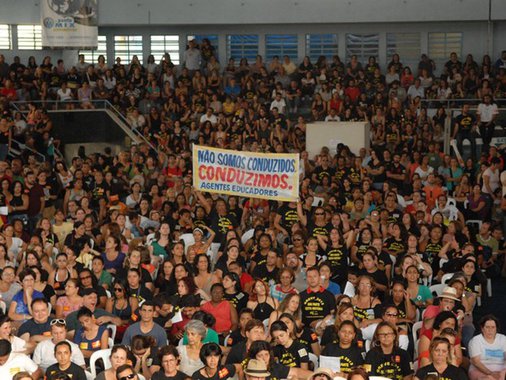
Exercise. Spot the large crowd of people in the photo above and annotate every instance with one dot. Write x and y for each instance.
(375, 271)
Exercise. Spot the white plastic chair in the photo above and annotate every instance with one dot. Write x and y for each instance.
(266, 323)
(3, 307)
(417, 326)
(314, 359)
(212, 252)
(112, 329)
(446, 277)
(188, 240)
(100, 354)
(438, 289)
(367, 345)
(108, 293)
(247, 235)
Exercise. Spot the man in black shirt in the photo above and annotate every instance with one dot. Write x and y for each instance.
(317, 302)
(464, 129)
(396, 172)
(63, 353)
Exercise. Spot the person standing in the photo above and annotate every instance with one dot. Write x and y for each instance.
(464, 129)
(192, 57)
(487, 113)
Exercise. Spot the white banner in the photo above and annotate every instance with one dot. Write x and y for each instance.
(69, 23)
(246, 174)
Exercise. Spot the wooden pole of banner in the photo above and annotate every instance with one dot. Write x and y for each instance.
(453, 144)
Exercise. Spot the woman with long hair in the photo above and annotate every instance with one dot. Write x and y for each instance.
(260, 301)
(121, 305)
(289, 305)
(439, 351)
(203, 276)
(233, 291)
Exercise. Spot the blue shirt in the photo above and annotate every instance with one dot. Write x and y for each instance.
(21, 306)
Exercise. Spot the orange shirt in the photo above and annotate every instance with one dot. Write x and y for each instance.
(431, 195)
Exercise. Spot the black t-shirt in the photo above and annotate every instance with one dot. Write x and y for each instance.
(224, 372)
(74, 371)
(292, 356)
(142, 294)
(278, 371)
(316, 305)
(160, 375)
(321, 172)
(235, 338)
(329, 336)
(348, 357)
(33, 328)
(465, 122)
(338, 259)
(238, 300)
(288, 216)
(451, 373)
(393, 366)
(261, 271)
(238, 354)
(221, 224)
(315, 230)
(307, 338)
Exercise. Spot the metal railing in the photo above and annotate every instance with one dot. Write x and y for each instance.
(98, 105)
(453, 107)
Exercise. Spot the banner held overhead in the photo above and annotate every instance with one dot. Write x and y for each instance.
(245, 174)
(69, 24)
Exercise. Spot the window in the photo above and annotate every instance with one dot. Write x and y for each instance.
(213, 39)
(280, 45)
(321, 44)
(407, 45)
(441, 45)
(91, 56)
(126, 47)
(362, 45)
(5, 37)
(29, 37)
(165, 44)
(242, 46)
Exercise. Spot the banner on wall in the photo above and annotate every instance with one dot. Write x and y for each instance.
(245, 174)
(69, 23)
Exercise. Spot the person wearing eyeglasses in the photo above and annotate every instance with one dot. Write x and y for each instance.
(87, 280)
(43, 354)
(385, 358)
(126, 372)
(390, 314)
(63, 353)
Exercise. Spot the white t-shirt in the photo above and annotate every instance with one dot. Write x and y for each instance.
(17, 363)
(487, 112)
(494, 181)
(43, 355)
(491, 355)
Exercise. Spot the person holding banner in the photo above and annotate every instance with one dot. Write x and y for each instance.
(219, 218)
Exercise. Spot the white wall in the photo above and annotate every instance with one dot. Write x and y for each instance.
(219, 12)
(222, 17)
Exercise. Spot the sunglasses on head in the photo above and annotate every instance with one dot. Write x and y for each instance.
(57, 322)
(127, 377)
